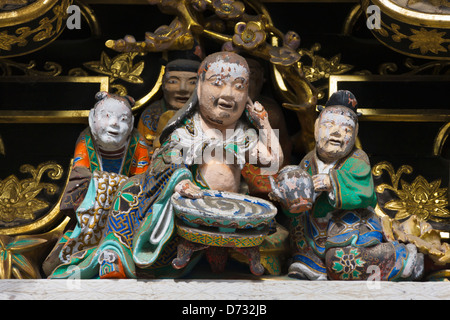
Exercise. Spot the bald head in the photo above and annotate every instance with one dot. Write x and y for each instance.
(215, 60)
(223, 88)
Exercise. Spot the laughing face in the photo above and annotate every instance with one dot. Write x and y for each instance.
(335, 133)
(223, 90)
(178, 87)
(111, 123)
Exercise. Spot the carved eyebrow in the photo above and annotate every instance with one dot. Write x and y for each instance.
(240, 79)
(218, 75)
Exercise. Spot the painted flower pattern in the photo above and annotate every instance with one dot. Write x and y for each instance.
(166, 37)
(284, 56)
(348, 264)
(425, 41)
(228, 9)
(249, 35)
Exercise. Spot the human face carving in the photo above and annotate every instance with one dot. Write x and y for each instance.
(111, 123)
(335, 133)
(178, 87)
(223, 92)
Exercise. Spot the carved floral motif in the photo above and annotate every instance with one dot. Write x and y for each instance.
(119, 67)
(421, 198)
(18, 198)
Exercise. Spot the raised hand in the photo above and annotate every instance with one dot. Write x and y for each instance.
(188, 189)
(257, 114)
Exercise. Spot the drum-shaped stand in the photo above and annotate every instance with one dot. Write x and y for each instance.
(218, 222)
(217, 244)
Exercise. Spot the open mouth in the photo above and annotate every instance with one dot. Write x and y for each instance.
(182, 99)
(225, 104)
(335, 142)
(112, 133)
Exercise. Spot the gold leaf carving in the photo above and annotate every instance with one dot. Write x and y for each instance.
(18, 197)
(425, 40)
(426, 200)
(13, 261)
(46, 29)
(119, 67)
(422, 39)
(322, 68)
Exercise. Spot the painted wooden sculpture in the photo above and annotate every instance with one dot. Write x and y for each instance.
(178, 84)
(111, 143)
(334, 231)
(212, 130)
(203, 147)
(106, 153)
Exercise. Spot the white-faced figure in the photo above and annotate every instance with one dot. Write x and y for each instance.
(335, 134)
(111, 121)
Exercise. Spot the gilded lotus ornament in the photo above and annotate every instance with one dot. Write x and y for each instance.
(421, 198)
(119, 67)
(426, 200)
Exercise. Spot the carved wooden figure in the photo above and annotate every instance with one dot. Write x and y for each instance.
(179, 82)
(106, 153)
(215, 133)
(203, 148)
(340, 237)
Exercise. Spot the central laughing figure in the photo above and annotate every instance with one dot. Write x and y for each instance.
(204, 146)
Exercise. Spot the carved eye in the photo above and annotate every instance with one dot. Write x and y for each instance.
(217, 82)
(172, 81)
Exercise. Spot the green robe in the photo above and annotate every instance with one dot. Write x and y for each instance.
(352, 182)
(354, 192)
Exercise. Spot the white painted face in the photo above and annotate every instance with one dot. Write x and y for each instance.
(223, 92)
(111, 123)
(335, 133)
